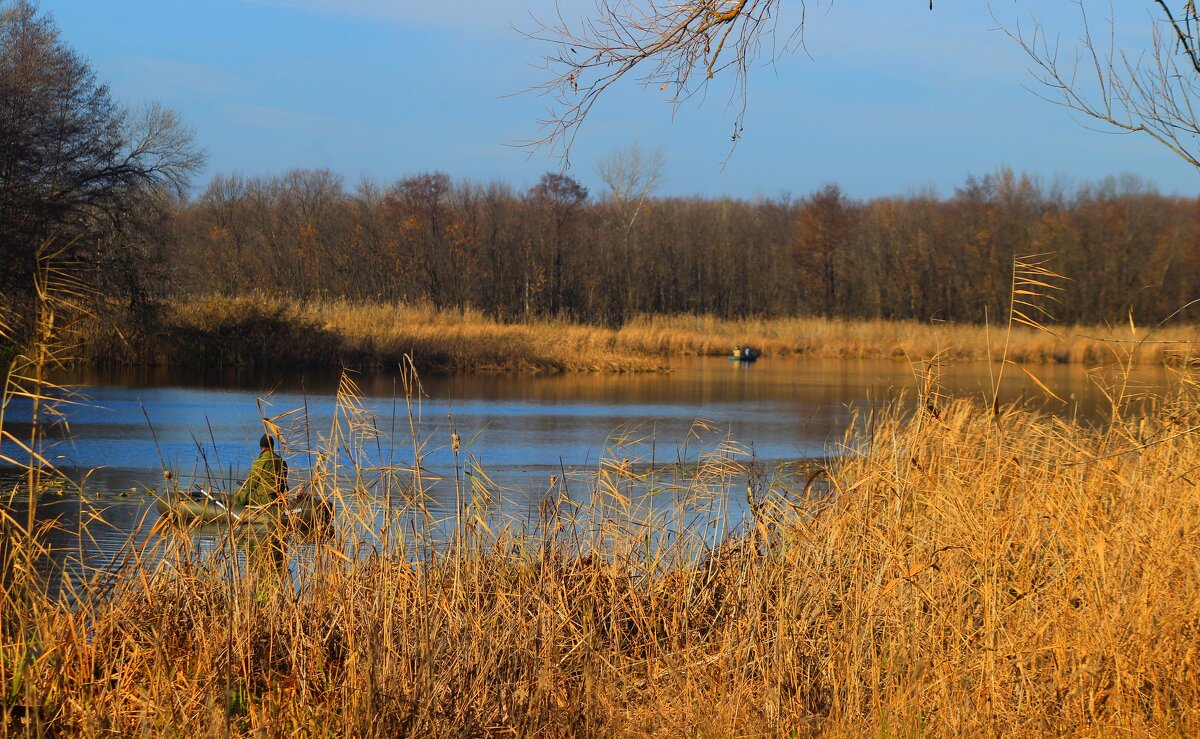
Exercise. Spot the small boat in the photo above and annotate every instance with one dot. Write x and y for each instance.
(744, 354)
(211, 511)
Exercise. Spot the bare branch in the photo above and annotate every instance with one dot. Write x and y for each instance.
(1184, 30)
(681, 45)
(675, 45)
(1145, 91)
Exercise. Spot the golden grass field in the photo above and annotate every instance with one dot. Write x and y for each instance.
(263, 330)
(963, 573)
(831, 338)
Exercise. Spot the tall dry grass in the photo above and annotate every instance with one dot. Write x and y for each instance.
(269, 331)
(962, 573)
(266, 330)
(956, 570)
(833, 338)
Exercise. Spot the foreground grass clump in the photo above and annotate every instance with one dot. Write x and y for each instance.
(967, 574)
(259, 330)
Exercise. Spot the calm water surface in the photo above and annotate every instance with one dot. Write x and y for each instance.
(126, 427)
(131, 425)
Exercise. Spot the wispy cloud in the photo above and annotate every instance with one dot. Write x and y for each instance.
(264, 116)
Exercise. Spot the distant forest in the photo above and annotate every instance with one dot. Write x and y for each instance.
(98, 196)
(555, 251)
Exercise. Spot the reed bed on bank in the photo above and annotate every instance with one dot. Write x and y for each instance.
(962, 572)
(832, 338)
(265, 330)
(268, 331)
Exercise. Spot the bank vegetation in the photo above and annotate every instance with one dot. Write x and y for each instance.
(822, 275)
(953, 571)
(262, 330)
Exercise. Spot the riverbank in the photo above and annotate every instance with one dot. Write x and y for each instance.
(260, 331)
(254, 331)
(834, 338)
(971, 575)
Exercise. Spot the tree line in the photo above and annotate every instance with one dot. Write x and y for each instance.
(554, 251)
(106, 191)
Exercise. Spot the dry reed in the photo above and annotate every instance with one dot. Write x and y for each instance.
(834, 338)
(265, 330)
(959, 569)
(967, 574)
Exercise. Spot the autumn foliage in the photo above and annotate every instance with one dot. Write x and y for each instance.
(558, 251)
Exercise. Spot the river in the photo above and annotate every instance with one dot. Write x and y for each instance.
(528, 436)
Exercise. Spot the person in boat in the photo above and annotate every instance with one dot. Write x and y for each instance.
(267, 481)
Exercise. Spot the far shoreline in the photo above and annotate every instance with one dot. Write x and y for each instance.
(267, 332)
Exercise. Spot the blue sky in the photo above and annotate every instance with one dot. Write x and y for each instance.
(887, 98)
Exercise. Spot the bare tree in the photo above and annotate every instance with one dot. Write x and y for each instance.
(559, 197)
(632, 177)
(1152, 89)
(74, 165)
(631, 174)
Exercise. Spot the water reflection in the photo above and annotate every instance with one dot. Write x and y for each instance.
(524, 438)
(199, 425)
